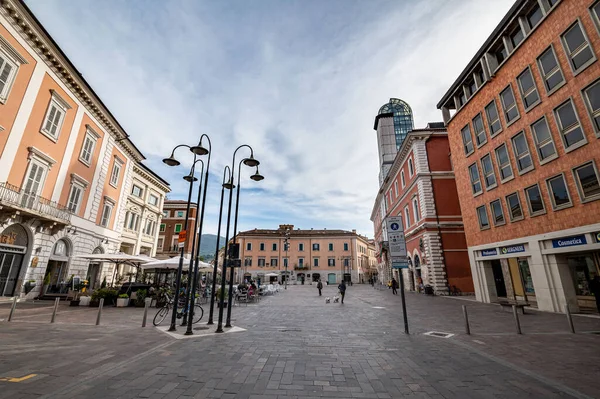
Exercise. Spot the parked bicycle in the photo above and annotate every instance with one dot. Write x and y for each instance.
(182, 310)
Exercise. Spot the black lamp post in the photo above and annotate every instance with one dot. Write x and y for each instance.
(230, 186)
(286, 246)
(256, 177)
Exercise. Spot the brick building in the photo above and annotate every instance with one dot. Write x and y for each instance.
(420, 187)
(523, 122)
(173, 221)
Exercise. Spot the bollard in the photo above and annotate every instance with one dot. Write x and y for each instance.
(570, 319)
(12, 308)
(517, 323)
(145, 314)
(467, 328)
(55, 310)
(100, 305)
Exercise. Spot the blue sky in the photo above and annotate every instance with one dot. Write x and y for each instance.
(299, 81)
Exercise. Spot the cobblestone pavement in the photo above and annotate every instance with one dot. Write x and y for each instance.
(296, 346)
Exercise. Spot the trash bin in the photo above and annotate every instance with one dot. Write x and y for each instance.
(428, 290)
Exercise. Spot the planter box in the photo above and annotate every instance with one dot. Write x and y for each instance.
(74, 303)
(122, 302)
(84, 301)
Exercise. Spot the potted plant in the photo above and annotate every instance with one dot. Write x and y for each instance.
(28, 286)
(84, 300)
(218, 297)
(123, 301)
(109, 296)
(140, 298)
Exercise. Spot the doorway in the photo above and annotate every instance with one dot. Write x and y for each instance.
(331, 278)
(498, 278)
(13, 246)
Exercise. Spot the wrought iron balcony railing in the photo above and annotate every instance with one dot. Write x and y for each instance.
(14, 197)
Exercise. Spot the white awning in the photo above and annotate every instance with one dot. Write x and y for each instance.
(173, 263)
(119, 257)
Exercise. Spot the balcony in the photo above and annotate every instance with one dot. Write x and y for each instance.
(13, 198)
(301, 267)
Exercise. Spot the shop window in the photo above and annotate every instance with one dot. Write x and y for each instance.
(569, 126)
(559, 193)
(513, 204)
(491, 113)
(535, 200)
(467, 140)
(584, 271)
(550, 70)
(591, 95)
(497, 213)
(475, 179)
(480, 136)
(504, 165)
(544, 144)
(577, 47)
(522, 154)
(528, 89)
(484, 222)
(586, 177)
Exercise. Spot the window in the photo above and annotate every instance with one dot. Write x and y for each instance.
(534, 16)
(559, 193)
(274, 262)
(248, 261)
(8, 71)
(467, 140)
(497, 213)
(178, 227)
(480, 76)
(87, 150)
(488, 172)
(500, 53)
(543, 141)
(480, 136)
(165, 214)
(578, 48)
(137, 191)
(402, 178)
(550, 71)
(522, 154)
(569, 126)
(471, 87)
(160, 243)
(133, 219)
(261, 262)
(301, 262)
(106, 213)
(396, 188)
(316, 262)
(586, 177)
(162, 227)
(407, 217)
(331, 246)
(534, 200)
(180, 214)
(75, 197)
(153, 200)
(116, 171)
(462, 98)
(504, 166)
(516, 37)
(274, 247)
(315, 247)
(509, 105)
(528, 89)
(411, 169)
(595, 10)
(591, 95)
(248, 246)
(285, 262)
(475, 180)
(491, 112)
(149, 228)
(300, 247)
(261, 246)
(175, 244)
(54, 118)
(515, 212)
(416, 210)
(484, 222)
(331, 262)
(345, 246)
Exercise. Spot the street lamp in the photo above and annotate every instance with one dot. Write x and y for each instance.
(286, 246)
(256, 177)
(250, 161)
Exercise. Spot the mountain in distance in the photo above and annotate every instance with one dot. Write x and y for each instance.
(208, 246)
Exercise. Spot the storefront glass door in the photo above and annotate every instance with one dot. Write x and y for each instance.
(10, 266)
(498, 279)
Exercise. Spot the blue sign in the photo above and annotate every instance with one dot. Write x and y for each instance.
(395, 226)
(489, 252)
(512, 249)
(400, 265)
(569, 241)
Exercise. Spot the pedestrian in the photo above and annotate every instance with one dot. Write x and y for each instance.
(319, 286)
(595, 288)
(342, 288)
(394, 287)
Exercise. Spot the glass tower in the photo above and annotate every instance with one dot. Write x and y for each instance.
(403, 118)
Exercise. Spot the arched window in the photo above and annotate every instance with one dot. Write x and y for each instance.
(402, 178)
(407, 217)
(411, 170)
(416, 209)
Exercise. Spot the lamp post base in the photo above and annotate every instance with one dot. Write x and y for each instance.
(220, 330)
(189, 333)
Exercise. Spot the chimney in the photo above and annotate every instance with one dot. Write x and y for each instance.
(354, 231)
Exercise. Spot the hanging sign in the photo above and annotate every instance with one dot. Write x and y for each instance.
(181, 239)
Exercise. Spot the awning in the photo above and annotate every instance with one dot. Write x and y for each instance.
(119, 257)
(173, 263)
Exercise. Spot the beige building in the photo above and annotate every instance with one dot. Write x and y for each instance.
(328, 255)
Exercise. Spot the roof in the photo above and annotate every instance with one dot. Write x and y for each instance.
(301, 233)
(501, 26)
(147, 169)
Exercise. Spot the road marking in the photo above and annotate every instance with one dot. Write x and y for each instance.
(479, 342)
(378, 307)
(20, 379)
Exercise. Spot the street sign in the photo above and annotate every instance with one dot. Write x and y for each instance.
(399, 264)
(181, 239)
(396, 239)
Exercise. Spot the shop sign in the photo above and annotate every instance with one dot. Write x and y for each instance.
(9, 238)
(597, 236)
(34, 261)
(512, 249)
(569, 241)
(489, 252)
(400, 264)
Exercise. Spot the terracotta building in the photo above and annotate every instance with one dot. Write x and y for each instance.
(66, 165)
(173, 221)
(523, 121)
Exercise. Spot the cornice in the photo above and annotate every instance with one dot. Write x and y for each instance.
(152, 179)
(25, 23)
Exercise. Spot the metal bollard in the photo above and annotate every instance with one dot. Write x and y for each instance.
(100, 305)
(570, 319)
(517, 323)
(467, 327)
(12, 308)
(55, 310)
(145, 314)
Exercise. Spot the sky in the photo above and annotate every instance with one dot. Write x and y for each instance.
(299, 81)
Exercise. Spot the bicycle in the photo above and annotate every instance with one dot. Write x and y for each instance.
(182, 311)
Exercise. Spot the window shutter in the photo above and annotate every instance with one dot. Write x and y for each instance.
(56, 121)
(48, 126)
(5, 69)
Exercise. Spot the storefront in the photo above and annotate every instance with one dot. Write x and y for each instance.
(13, 248)
(57, 278)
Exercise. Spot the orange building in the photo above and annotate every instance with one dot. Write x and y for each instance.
(66, 165)
(523, 123)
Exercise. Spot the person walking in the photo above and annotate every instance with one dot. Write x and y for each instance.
(319, 286)
(394, 287)
(342, 288)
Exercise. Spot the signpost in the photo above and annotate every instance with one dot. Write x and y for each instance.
(398, 257)
(181, 239)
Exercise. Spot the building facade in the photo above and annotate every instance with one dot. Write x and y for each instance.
(420, 187)
(524, 121)
(66, 165)
(328, 255)
(173, 222)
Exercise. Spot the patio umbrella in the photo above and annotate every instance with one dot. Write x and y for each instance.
(118, 258)
(173, 263)
(272, 274)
